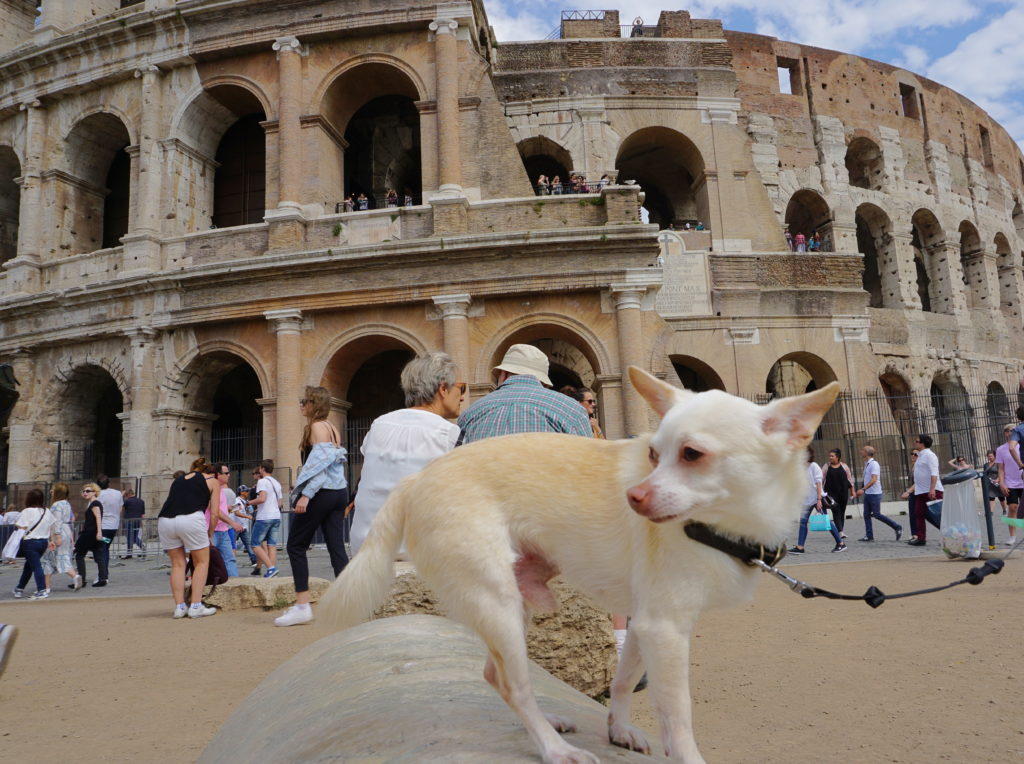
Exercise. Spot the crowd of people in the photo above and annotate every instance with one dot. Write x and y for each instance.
(575, 184)
(803, 242)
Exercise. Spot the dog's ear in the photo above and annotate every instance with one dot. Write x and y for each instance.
(798, 417)
(660, 395)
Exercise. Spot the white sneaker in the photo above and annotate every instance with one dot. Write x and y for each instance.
(79, 583)
(295, 616)
(199, 610)
(180, 611)
(42, 594)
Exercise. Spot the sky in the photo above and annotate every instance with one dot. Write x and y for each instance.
(972, 46)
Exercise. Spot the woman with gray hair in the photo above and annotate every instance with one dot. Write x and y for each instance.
(405, 441)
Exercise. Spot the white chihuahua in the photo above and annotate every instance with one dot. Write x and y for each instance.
(491, 523)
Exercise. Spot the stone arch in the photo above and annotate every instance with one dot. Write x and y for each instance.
(1009, 269)
(954, 426)
(875, 242)
(372, 102)
(865, 167)
(542, 156)
(801, 372)
(905, 413)
(972, 264)
(671, 171)
(88, 403)
(808, 213)
(930, 262)
(1000, 413)
(358, 344)
(180, 385)
(10, 202)
(695, 374)
(97, 191)
(393, 62)
(537, 326)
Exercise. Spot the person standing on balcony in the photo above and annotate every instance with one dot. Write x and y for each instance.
(800, 241)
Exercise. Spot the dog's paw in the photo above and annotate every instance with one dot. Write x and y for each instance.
(571, 756)
(561, 723)
(628, 736)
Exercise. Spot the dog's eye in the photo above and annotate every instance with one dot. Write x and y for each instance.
(652, 455)
(691, 454)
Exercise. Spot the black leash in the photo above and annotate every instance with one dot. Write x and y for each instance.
(766, 559)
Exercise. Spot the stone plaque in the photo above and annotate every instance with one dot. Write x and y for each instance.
(686, 290)
(373, 229)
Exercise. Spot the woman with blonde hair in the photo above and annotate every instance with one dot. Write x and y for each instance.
(318, 500)
(58, 557)
(183, 527)
(91, 537)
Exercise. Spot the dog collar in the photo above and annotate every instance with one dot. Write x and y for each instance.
(743, 551)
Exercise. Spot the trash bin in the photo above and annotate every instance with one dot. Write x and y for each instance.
(961, 527)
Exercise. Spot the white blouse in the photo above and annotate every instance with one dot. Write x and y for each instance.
(398, 444)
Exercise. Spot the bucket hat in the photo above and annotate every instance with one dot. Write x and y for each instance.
(525, 359)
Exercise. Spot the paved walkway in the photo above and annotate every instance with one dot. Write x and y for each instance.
(149, 576)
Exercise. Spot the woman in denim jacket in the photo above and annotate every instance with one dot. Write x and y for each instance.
(318, 501)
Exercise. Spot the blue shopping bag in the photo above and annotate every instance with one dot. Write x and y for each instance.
(819, 522)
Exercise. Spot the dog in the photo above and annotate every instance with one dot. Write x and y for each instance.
(489, 524)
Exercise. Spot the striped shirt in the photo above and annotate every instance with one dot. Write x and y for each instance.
(522, 404)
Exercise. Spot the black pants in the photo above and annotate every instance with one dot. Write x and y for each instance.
(839, 510)
(100, 553)
(326, 510)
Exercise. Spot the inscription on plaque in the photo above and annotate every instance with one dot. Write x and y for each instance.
(686, 289)
(371, 230)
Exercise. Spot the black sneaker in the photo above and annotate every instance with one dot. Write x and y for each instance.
(865, 539)
(899, 533)
(796, 550)
(255, 571)
(840, 548)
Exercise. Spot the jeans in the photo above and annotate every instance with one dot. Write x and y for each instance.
(33, 549)
(326, 510)
(803, 528)
(222, 540)
(133, 532)
(243, 536)
(265, 530)
(873, 508)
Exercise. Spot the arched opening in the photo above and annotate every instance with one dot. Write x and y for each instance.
(954, 426)
(240, 180)
(864, 165)
(670, 170)
(808, 213)
(223, 392)
(694, 374)
(802, 372)
(874, 240)
(542, 156)
(90, 425)
(374, 107)
(1018, 221)
(1008, 268)
(928, 242)
(1000, 414)
(972, 265)
(10, 203)
(101, 199)
(901, 403)
(8, 398)
(236, 436)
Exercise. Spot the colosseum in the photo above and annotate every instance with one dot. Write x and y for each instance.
(206, 205)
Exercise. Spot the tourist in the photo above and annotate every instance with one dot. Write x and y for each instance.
(91, 539)
(402, 442)
(244, 519)
(927, 486)
(588, 400)
(58, 557)
(112, 502)
(134, 511)
(556, 185)
(7, 523)
(872, 493)
(800, 241)
(36, 520)
(700, 226)
(1010, 479)
(183, 528)
(348, 205)
(222, 541)
(991, 472)
(392, 198)
(960, 463)
(789, 239)
(267, 527)
(318, 501)
(543, 189)
(838, 484)
(813, 503)
(362, 202)
(909, 496)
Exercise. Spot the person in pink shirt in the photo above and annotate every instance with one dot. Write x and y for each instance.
(221, 537)
(801, 242)
(1011, 482)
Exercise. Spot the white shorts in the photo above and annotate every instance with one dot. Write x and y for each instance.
(189, 531)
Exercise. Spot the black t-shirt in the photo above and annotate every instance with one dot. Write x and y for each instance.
(836, 483)
(134, 508)
(89, 526)
(188, 494)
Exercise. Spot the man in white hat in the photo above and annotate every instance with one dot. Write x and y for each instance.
(523, 402)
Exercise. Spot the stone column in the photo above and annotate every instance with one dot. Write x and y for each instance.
(899, 274)
(455, 321)
(139, 429)
(609, 391)
(147, 219)
(947, 280)
(446, 67)
(628, 302)
(23, 270)
(24, 447)
(289, 140)
(287, 324)
(982, 279)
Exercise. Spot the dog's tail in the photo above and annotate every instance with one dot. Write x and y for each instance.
(366, 580)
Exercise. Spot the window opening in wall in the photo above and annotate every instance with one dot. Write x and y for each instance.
(383, 151)
(864, 165)
(986, 146)
(240, 185)
(10, 203)
(789, 76)
(923, 280)
(115, 207)
(908, 101)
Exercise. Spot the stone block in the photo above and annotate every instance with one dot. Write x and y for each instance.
(575, 643)
(279, 592)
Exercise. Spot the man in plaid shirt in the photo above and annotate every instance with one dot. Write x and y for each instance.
(522, 403)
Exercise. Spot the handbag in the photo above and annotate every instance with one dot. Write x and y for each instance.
(819, 522)
(827, 502)
(12, 549)
(216, 574)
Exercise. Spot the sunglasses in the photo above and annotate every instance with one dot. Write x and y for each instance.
(590, 400)
(88, 490)
(461, 387)
(305, 402)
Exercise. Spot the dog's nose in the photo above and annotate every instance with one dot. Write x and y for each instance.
(638, 497)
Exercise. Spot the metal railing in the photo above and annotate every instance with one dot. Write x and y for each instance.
(639, 30)
(357, 204)
(577, 185)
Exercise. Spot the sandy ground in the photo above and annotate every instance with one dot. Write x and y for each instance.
(780, 680)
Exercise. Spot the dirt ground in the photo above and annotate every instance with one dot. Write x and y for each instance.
(781, 680)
